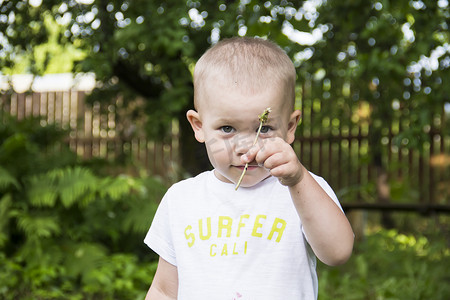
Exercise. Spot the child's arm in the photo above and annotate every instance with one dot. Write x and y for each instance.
(326, 227)
(165, 283)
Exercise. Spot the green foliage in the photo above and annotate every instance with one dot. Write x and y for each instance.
(66, 231)
(7, 180)
(37, 148)
(390, 57)
(391, 265)
(384, 54)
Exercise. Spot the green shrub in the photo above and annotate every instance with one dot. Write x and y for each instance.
(391, 265)
(67, 232)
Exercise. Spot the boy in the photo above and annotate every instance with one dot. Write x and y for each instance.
(259, 241)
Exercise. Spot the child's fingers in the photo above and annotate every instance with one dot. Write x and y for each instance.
(249, 156)
(289, 172)
(264, 149)
(279, 157)
(267, 149)
(252, 152)
(274, 160)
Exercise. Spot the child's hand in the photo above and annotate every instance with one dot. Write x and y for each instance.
(328, 230)
(279, 157)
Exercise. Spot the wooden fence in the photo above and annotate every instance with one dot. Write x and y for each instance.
(337, 148)
(333, 147)
(93, 131)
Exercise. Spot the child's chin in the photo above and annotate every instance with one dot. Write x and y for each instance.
(253, 181)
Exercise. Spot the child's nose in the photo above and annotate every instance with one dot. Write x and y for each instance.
(242, 143)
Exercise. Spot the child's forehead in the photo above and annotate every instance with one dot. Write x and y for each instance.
(229, 103)
(224, 94)
(215, 89)
(244, 84)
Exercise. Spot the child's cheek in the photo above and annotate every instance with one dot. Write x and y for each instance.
(218, 148)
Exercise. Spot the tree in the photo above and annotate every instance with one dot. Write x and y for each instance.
(136, 48)
(391, 56)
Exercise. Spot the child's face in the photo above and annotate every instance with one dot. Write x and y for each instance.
(227, 122)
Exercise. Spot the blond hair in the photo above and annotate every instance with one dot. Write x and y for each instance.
(248, 64)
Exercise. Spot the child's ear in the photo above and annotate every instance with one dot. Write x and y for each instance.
(292, 126)
(196, 124)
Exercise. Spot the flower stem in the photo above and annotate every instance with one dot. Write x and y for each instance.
(262, 120)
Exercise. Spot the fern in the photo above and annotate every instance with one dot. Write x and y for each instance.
(117, 187)
(72, 183)
(143, 206)
(7, 180)
(141, 213)
(5, 206)
(61, 224)
(38, 226)
(41, 190)
(69, 184)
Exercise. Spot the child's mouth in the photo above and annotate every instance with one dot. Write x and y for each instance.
(249, 168)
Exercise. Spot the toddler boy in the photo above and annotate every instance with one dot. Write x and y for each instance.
(259, 241)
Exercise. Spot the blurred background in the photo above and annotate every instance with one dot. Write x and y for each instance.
(93, 96)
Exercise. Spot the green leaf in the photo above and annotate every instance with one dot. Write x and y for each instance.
(69, 184)
(72, 183)
(41, 190)
(117, 187)
(5, 205)
(6, 179)
(38, 226)
(140, 216)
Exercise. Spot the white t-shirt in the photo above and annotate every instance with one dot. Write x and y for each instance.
(227, 244)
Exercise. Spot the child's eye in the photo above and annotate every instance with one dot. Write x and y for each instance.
(227, 129)
(265, 129)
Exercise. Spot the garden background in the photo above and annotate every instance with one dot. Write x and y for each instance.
(92, 132)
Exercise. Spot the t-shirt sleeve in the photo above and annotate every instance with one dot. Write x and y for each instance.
(159, 236)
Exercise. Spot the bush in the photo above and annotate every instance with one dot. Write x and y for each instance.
(67, 232)
(391, 265)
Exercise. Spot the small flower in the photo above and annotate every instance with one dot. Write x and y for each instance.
(265, 115)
